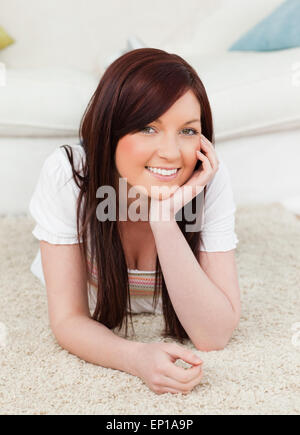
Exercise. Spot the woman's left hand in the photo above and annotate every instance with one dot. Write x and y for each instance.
(166, 209)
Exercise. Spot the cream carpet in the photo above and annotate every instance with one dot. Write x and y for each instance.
(258, 372)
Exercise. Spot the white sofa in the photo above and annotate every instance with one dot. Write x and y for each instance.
(63, 48)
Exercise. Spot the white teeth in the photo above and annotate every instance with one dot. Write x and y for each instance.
(162, 171)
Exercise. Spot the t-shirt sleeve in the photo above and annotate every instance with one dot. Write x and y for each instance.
(53, 204)
(218, 228)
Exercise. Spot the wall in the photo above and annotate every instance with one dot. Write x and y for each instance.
(83, 33)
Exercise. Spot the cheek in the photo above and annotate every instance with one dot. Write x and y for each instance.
(190, 158)
(131, 155)
(137, 153)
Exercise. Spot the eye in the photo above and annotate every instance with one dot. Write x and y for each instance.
(145, 128)
(191, 129)
(195, 132)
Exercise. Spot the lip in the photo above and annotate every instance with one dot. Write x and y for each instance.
(164, 177)
(162, 167)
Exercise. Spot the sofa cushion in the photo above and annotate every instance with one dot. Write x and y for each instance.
(227, 21)
(5, 38)
(251, 92)
(280, 30)
(44, 101)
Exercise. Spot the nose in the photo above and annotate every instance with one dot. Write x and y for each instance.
(169, 149)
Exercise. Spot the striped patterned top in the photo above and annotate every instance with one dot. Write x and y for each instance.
(141, 282)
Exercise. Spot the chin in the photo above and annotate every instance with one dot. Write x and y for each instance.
(161, 195)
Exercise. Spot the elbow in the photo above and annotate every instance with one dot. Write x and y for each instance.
(59, 337)
(61, 331)
(211, 347)
(214, 344)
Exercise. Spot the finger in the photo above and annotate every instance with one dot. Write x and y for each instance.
(207, 144)
(205, 161)
(169, 382)
(182, 376)
(205, 140)
(180, 352)
(211, 154)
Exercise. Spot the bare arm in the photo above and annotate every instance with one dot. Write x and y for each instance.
(207, 312)
(97, 344)
(92, 341)
(69, 314)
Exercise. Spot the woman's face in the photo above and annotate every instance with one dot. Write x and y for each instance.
(169, 142)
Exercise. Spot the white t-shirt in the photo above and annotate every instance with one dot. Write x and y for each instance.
(53, 206)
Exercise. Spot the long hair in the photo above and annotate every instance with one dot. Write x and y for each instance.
(135, 90)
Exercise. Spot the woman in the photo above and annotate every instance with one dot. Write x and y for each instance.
(145, 124)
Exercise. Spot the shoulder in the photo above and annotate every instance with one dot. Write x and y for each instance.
(220, 179)
(57, 165)
(219, 189)
(219, 199)
(218, 224)
(56, 176)
(53, 204)
(78, 154)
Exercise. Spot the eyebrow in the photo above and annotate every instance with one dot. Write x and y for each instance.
(186, 123)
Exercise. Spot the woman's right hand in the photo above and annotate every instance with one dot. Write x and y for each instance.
(155, 365)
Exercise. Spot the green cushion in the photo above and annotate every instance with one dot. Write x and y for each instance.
(5, 39)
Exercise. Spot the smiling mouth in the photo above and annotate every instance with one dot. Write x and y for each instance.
(163, 176)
